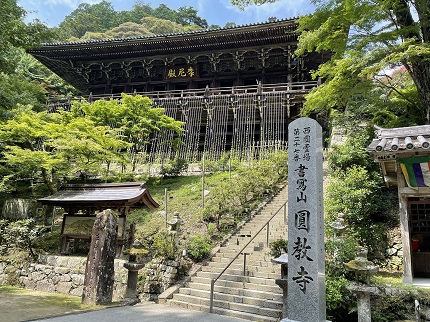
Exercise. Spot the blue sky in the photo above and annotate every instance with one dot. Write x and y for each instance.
(218, 12)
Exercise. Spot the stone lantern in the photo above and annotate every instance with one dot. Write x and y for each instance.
(338, 226)
(174, 226)
(133, 265)
(283, 281)
(361, 266)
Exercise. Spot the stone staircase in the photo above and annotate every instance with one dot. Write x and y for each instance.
(246, 291)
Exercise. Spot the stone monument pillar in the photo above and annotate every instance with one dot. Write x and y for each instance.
(99, 271)
(306, 264)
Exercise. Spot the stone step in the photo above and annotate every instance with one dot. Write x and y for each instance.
(241, 307)
(247, 282)
(250, 255)
(256, 261)
(220, 311)
(255, 295)
(238, 269)
(205, 294)
(264, 285)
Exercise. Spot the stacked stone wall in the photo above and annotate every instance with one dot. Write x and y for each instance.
(66, 274)
(60, 274)
(394, 252)
(159, 275)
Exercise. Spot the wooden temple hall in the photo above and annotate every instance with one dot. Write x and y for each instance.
(235, 88)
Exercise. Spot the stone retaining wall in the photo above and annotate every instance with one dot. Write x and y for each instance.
(66, 274)
(60, 274)
(159, 276)
(394, 251)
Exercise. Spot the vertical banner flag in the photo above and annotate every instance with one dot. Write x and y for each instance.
(416, 171)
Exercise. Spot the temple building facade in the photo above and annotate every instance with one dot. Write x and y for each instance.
(236, 89)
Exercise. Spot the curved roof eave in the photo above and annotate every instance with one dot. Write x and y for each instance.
(101, 196)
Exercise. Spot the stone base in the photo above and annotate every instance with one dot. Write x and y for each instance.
(129, 301)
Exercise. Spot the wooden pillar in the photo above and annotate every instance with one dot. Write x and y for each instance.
(404, 228)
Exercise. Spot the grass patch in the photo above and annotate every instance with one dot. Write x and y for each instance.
(394, 280)
(43, 299)
(387, 278)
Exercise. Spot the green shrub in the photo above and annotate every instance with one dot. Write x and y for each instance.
(164, 245)
(47, 242)
(174, 167)
(21, 234)
(211, 229)
(392, 308)
(224, 164)
(339, 301)
(198, 247)
(278, 247)
(356, 194)
(231, 197)
(339, 251)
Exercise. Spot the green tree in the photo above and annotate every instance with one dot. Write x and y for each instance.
(55, 146)
(188, 16)
(366, 38)
(242, 4)
(230, 24)
(125, 30)
(159, 26)
(78, 25)
(138, 11)
(164, 12)
(132, 116)
(15, 33)
(97, 17)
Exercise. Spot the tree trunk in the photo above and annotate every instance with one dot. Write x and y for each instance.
(421, 77)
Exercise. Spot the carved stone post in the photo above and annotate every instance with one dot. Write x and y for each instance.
(99, 271)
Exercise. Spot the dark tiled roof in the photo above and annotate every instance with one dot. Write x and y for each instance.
(413, 139)
(101, 196)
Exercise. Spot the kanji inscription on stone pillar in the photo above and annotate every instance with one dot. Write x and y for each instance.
(306, 271)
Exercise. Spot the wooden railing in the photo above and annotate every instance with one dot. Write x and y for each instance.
(296, 87)
(237, 90)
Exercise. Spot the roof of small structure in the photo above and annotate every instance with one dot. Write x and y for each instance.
(398, 143)
(403, 140)
(101, 196)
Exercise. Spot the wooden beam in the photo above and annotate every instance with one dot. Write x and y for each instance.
(404, 229)
(411, 191)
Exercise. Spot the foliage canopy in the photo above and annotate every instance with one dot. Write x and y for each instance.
(368, 39)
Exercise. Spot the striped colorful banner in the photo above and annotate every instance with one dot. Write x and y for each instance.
(416, 171)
